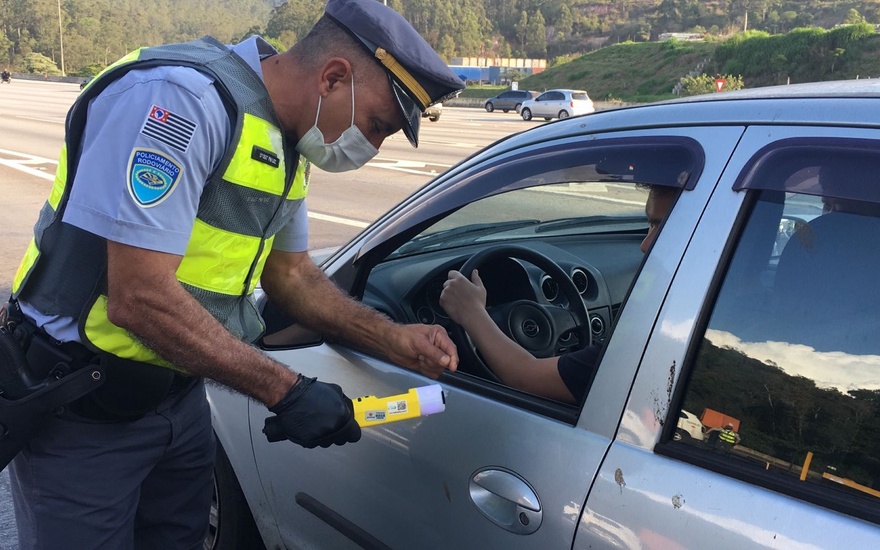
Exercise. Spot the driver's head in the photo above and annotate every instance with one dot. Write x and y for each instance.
(660, 200)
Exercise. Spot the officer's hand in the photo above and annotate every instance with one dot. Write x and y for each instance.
(423, 348)
(313, 414)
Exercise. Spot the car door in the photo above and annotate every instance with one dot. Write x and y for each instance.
(506, 100)
(746, 334)
(544, 103)
(498, 468)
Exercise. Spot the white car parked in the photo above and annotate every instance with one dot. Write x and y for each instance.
(557, 104)
(689, 427)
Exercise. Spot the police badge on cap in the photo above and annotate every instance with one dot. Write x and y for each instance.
(418, 76)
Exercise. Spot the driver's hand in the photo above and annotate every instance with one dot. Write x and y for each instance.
(463, 300)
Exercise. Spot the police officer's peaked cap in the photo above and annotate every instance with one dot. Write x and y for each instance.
(419, 77)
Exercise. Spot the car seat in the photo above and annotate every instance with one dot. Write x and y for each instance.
(825, 287)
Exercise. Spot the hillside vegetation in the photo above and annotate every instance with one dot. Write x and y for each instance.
(637, 72)
(83, 36)
(630, 71)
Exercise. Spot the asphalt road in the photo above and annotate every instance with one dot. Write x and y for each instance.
(32, 130)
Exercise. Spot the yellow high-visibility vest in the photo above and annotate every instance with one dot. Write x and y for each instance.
(243, 205)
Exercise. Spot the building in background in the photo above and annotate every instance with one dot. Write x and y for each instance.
(494, 70)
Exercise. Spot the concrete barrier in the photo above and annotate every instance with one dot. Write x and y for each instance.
(48, 78)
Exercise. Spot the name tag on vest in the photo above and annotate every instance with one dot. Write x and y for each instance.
(265, 156)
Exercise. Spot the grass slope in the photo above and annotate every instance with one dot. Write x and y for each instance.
(648, 71)
(630, 71)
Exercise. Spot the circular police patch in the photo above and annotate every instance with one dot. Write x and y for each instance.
(152, 176)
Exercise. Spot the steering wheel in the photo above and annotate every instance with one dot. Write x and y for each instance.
(534, 326)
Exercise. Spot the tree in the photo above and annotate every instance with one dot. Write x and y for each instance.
(565, 22)
(294, 16)
(6, 47)
(447, 47)
(522, 31)
(38, 63)
(853, 17)
(536, 37)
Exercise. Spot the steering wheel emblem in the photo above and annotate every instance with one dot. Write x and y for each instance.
(530, 328)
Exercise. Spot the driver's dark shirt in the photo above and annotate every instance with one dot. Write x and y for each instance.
(576, 369)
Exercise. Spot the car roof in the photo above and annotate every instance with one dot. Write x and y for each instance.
(838, 103)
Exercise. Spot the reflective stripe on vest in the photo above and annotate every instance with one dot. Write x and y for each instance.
(728, 436)
(242, 207)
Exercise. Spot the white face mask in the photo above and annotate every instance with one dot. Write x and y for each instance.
(351, 151)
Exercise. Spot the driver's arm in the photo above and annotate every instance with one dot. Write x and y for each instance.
(465, 302)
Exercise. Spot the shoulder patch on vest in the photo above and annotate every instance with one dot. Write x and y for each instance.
(152, 176)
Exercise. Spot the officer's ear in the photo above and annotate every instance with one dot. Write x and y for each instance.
(336, 71)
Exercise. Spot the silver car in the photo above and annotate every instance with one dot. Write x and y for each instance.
(758, 300)
(557, 104)
(510, 100)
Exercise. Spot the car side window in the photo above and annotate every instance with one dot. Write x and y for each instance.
(583, 207)
(784, 382)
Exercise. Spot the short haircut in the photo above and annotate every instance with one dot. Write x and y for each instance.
(328, 39)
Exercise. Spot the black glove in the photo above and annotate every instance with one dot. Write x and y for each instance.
(313, 414)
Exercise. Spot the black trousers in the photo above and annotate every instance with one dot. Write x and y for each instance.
(145, 484)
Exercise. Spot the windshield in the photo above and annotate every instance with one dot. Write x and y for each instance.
(591, 187)
(572, 208)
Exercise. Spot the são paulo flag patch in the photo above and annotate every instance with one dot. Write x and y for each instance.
(169, 128)
(152, 176)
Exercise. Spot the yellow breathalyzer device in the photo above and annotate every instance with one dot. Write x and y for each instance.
(370, 410)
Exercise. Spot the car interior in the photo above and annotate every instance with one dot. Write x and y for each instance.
(553, 232)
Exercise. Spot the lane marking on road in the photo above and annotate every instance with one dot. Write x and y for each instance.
(407, 166)
(21, 164)
(337, 219)
(50, 120)
(33, 158)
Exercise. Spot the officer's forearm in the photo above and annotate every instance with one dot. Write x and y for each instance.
(146, 299)
(314, 300)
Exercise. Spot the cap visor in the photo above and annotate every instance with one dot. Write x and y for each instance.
(412, 114)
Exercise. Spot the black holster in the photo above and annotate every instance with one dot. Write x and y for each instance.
(131, 390)
(30, 393)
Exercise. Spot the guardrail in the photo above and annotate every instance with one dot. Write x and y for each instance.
(48, 78)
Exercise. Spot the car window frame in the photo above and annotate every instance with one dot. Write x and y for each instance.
(427, 212)
(856, 506)
(387, 243)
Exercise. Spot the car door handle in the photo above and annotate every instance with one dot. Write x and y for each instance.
(506, 500)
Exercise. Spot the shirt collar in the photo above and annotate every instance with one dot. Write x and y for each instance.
(252, 51)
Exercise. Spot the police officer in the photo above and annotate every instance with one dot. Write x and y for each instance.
(180, 186)
(728, 436)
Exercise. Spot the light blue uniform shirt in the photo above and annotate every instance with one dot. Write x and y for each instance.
(100, 200)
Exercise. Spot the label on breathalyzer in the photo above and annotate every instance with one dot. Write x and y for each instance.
(374, 416)
(397, 407)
